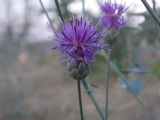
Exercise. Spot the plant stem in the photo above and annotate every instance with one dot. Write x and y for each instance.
(154, 5)
(50, 22)
(80, 99)
(155, 17)
(107, 84)
(87, 85)
(59, 10)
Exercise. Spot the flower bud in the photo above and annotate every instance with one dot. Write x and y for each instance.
(78, 69)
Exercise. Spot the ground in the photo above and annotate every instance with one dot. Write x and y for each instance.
(33, 90)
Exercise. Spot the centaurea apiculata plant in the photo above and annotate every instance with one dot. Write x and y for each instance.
(113, 14)
(112, 20)
(78, 41)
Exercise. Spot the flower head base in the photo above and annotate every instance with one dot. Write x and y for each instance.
(113, 14)
(78, 69)
(78, 40)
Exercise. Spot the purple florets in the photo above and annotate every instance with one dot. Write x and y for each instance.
(78, 39)
(113, 14)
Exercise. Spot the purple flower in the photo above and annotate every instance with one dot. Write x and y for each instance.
(78, 39)
(113, 14)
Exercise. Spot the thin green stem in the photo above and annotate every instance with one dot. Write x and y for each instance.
(107, 84)
(59, 10)
(80, 99)
(153, 14)
(154, 5)
(87, 85)
(45, 11)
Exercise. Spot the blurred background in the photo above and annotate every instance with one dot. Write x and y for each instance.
(34, 84)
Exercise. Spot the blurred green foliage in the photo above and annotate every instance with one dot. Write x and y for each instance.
(155, 67)
(98, 69)
(150, 30)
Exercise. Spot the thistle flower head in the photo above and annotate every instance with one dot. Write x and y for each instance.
(78, 39)
(113, 14)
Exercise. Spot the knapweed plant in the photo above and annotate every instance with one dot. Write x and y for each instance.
(113, 14)
(78, 40)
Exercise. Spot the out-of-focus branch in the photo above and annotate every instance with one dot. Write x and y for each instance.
(59, 10)
(154, 5)
(153, 14)
(50, 22)
(83, 8)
